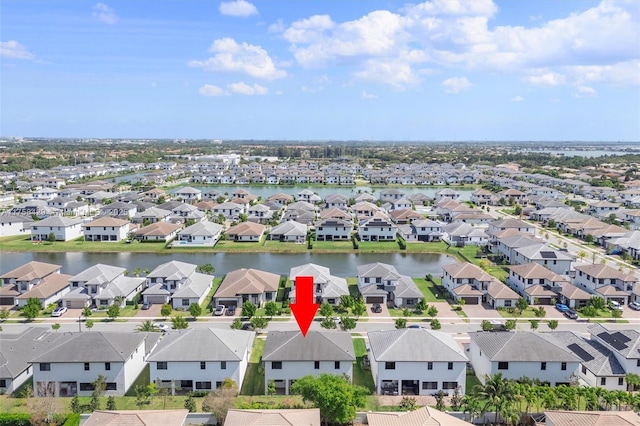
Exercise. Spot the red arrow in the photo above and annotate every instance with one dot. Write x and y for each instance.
(304, 309)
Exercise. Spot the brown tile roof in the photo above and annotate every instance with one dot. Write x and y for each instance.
(158, 228)
(247, 281)
(138, 418)
(279, 417)
(246, 228)
(467, 270)
(107, 221)
(48, 286)
(31, 270)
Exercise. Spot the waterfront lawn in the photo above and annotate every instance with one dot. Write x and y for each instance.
(253, 383)
(20, 243)
(332, 246)
(361, 376)
(273, 246)
(240, 246)
(378, 246)
(427, 289)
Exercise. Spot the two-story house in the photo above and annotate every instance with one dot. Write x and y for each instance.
(333, 230)
(101, 286)
(381, 283)
(327, 288)
(288, 355)
(624, 344)
(119, 209)
(466, 281)
(421, 230)
(177, 282)
(64, 229)
(543, 254)
(244, 285)
(416, 361)
(188, 194)
(213, 355)
(605, 281)
(106, 229)
(537, 284)
(25, 278)
(377, 228)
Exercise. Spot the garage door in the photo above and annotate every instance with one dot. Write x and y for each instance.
(375, 299)
(228, 303)
(156, 299)
(75, 304)
(470, 300)
(7, 301)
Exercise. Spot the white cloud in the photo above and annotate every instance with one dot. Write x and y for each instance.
(105, 14)
(366, 95)
(14, 50)
(585, 92)
(276, 27)
(233, 88)
(517, 99)
(456, 84)
(244, 58)
(396, 74)
(240, 8)
(546, 79)
(210, 90)
(245, 89)
(308, 30)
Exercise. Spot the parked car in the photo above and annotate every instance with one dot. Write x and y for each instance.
(415, 326)
(58, 312)
(635, 306)
(376, 308)
(247, 326)
(231, 310)
(146, 305)
(162, 327)
(571, 314)
(615, 305)
(219, 310)
(562, 307)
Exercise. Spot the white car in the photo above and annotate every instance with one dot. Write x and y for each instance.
(58, 312)
(635, 306)
(162, 327)
(615, 305)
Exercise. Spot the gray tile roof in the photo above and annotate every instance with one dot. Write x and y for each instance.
(374, 270)
(98, 274)
(17, 350)
(632, 346)
(209, 344)
(316, 346)
(202, 228)
(197, 285)
(520, 346)
(95, 346)
(414, 344)
(173, 269)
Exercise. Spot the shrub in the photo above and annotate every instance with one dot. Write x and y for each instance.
(15, 419)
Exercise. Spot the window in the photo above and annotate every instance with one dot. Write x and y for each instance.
(316, 365)
(87, 366)
(584, 370)
(203, 385)
(507, 303)
(563, 366)
(3, 383)
(112, 386)
(502, 365)
(449, 385)
(107, 366)
(543, 365)
(429, 365)
(186, 384)
(276, 365)
(336, 365)
(450, 366)
(203, 365)
(389, 365)
(638, 363)
(429, 385)
(45, 366)
(161, 365)
(86, 386)
(185, 302)
(603, 381)
(620, 381)
(223, 365)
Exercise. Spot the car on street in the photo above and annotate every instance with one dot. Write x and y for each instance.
(376, 308)
(231, 311)
(571, 314)
(59, 311)
(146, 305)
(247, 326)
(562, 307)
(219, 310)
(635, 306)
(415, 326)
(161, 326)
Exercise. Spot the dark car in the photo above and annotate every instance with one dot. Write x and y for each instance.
(376, 308)
(231, 311)
(571, 314)
(248, 326)
(146, 305)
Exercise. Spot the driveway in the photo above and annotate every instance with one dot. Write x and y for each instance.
(384, 313)
(153, 311)
(445, 310)
(483, 311)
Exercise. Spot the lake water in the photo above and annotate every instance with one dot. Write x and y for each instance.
(582, 153)
(340, 264)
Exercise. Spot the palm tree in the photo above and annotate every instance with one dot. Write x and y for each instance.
(609, 398)
(472, 405)
(497, 391)
(147, 326)
(582, 254)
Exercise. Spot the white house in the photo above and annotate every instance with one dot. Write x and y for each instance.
(71, 367)
(377, 228)
(246, 232)
(188, 194)
(101, 286)
(64, 229)
(106, 229)
(380, 283)
(327, 288)
(23, 279)
(521, 354)
(119, 209)
(623, 344)
(178, 282)
(416, 361)
(543, 254)
(50, 290)
(536, 283)
(333, 230)
(289, 231)
(11, 225)
(465, 281)
(229, 210)
(288, 355)
(201, 234)
(244, 285)
(605, 281)
(213, 355)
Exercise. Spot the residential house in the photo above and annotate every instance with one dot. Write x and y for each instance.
(447, 194)
(245, 231)
(482, 197)
(158, 231)
(333, 230)
(505, 247)
(151, 215)
(543, 254)
(521, 354)
(404, 216)
(259, 213)
(335, 213)
(567, 418)
(23, 279)
(425, 230)
(16, 352)
(244, 285)
(213, 355)
(624, 344)
(119, 209)
(188, 194)
(327, 288)
(71, 368)
(605, 281)
(201, 234)
(416, 361)
(537, 284)
(462, 234)
(603, 208)
(391, 194)
(281, 199)
(186, 213)
(106, 229)
(101, 286)
(288, 355)
(337, 201)
(422, 416)
(178, 417)
(517, 224)
(64, 229)
(290, 231)
(11, 225)
(466, 281)
(377, 228)
(273, 417)
(514, 195)
(50, 290)
(230, 211)
(381, 283)
(76, 208)
(178, 283)
(574, 297)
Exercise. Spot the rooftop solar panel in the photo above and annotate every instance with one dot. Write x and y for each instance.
(583, 354)
(619, 336)
(616, 340)
(548, 255)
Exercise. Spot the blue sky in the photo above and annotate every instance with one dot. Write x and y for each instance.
(317, 70)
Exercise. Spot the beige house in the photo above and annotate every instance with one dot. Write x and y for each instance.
(246, 231)
(247, 284)
(306, 417)
(106, 229)
(23, 279)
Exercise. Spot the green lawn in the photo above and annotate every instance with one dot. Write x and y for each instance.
(378, 246)
(361, 377)
(427, 289)
(19, 243)
(277, 246)
(332, 245)
(254, 377)
(143, 379)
